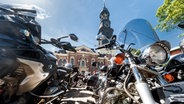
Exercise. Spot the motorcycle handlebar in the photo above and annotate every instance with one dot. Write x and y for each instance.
(110, 44)
(100, 47)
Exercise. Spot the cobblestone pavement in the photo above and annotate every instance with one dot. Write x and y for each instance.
(78, 96)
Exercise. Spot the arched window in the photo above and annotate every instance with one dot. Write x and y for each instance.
(92, 60)
(72, 61)
(64, 62)
(60, 62)
(83, 63)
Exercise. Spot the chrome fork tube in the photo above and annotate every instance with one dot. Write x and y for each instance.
(141, 86)
(161, 80)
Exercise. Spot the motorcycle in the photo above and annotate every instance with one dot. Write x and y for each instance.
(80, 79)
(141, 52)
(81, 83)
(28, 72)
(108, 77)
(101, 84)
(173, 70)
(72, 76)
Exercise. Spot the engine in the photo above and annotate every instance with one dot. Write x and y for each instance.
(10, 83)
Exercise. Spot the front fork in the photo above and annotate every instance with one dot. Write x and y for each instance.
(141, 86)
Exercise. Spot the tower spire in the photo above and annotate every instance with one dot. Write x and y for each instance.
(105, 25)
(104, 2)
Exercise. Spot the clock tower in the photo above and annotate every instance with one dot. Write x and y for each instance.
(105, 26)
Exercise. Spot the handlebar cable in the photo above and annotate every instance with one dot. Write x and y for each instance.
(125, 31)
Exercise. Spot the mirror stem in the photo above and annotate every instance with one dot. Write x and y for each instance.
(62, 38)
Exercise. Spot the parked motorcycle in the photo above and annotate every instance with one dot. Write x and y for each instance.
(72, 76)
(108, 76)
(28, 72)
(173, 70)
(142, 52)
(101, 84)
(81, 80)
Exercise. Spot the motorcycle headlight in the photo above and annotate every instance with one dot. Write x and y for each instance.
(156, 54)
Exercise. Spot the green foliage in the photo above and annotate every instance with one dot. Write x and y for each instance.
(135, 52)
(181, 35)
(170, 14)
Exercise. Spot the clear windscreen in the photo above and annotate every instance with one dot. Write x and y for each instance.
(139, 32)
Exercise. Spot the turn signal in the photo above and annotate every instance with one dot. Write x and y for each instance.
(168, 77)
(119, 58)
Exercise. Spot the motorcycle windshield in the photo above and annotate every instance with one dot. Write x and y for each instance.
(22, 17)
(138, 32)
(24, 10)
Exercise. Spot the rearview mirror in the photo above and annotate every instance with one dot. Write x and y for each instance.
(67, 46)
(73, 37)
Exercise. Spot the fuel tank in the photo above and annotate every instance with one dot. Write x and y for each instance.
(15, 41)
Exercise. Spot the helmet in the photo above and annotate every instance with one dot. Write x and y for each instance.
(68, 66)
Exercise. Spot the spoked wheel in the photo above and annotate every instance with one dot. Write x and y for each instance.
(115, 96)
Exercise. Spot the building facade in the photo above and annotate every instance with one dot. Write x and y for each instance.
(83, 58)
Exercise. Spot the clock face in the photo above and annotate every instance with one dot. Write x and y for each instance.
(104, 16)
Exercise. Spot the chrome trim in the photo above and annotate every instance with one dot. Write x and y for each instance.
(161, 80)
(145, 93)
(136, 73)
(47, 96)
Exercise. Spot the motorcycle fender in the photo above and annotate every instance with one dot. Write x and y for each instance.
(173, 92)
(35, 75)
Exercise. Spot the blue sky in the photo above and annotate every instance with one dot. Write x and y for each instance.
(82, 18)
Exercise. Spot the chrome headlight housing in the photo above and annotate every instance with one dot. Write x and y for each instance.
(157, 54)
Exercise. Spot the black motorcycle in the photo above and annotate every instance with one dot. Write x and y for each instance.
(142, 52)
(173, 70)
(28, 72)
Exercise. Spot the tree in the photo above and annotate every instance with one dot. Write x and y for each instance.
(170, 14)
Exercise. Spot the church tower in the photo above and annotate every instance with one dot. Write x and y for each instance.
(105, 26)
